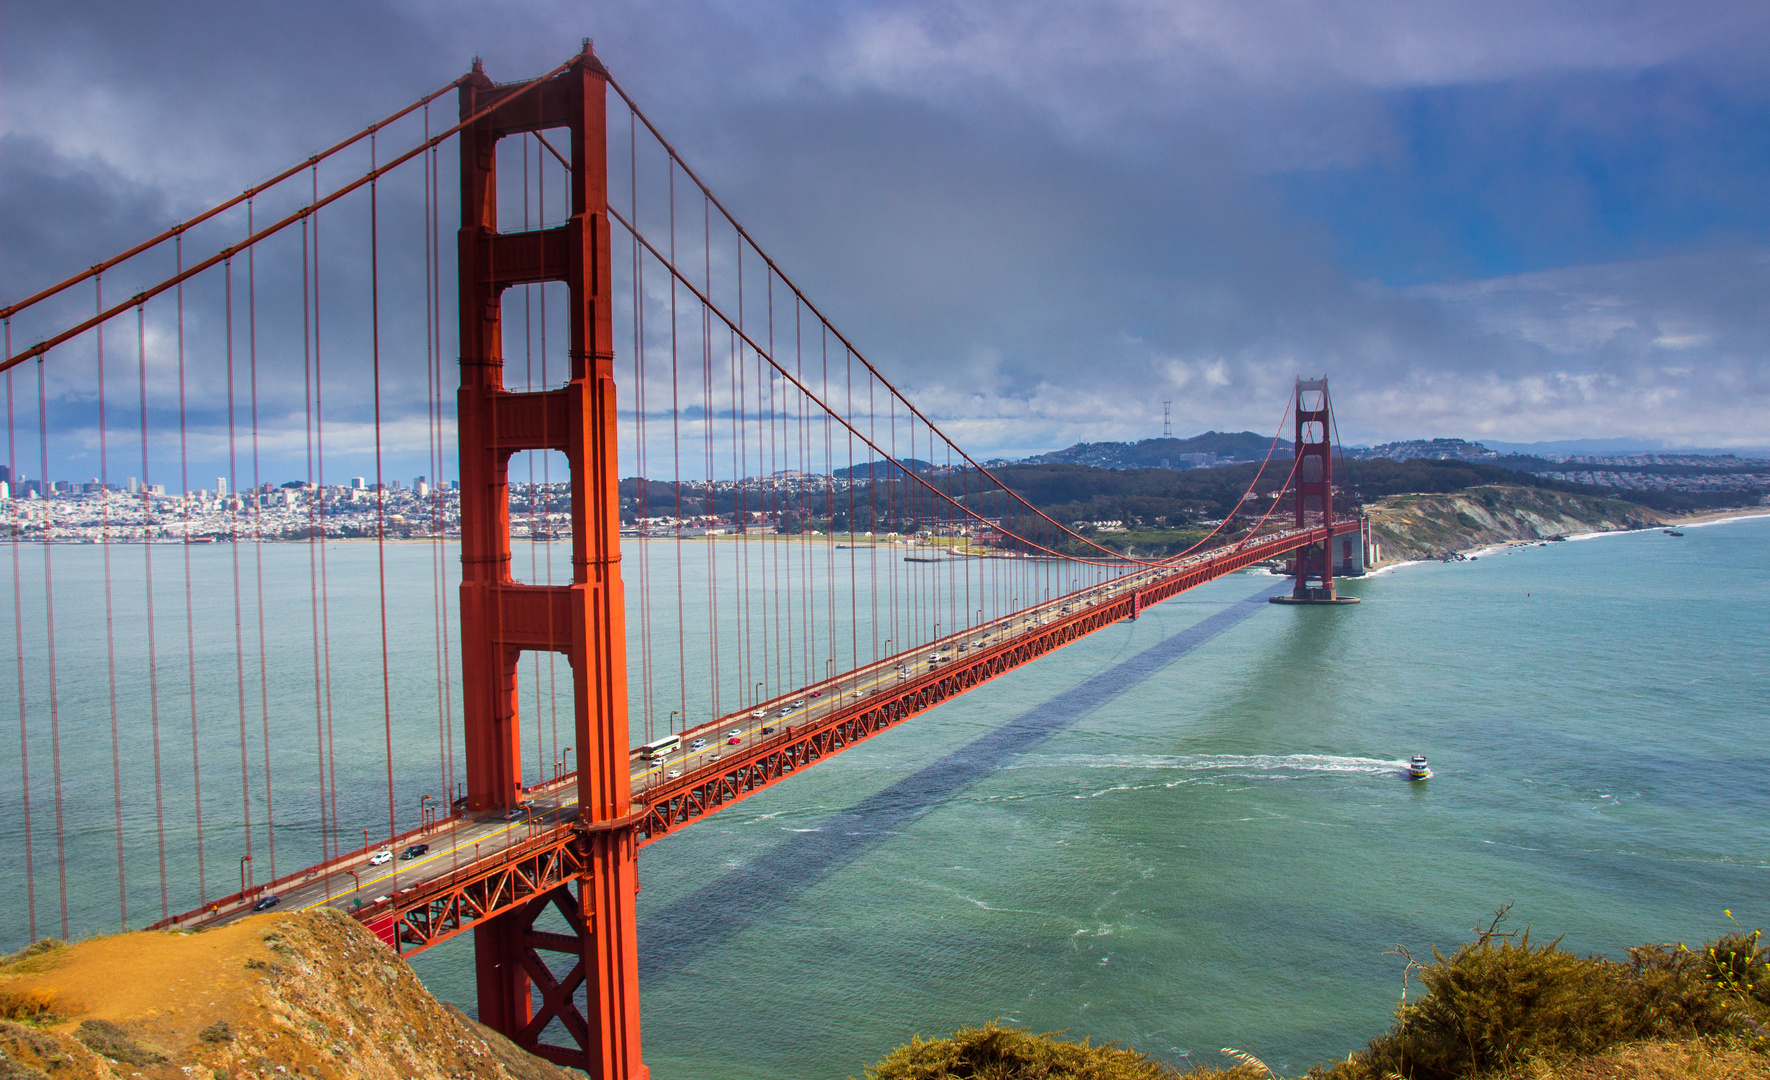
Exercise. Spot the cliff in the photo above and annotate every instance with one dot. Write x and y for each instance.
(1429, 526)
(309, 993)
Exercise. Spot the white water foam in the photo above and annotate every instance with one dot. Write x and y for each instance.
(1322, 763)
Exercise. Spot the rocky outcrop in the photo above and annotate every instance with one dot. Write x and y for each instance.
(1430, 526)
(308, 994)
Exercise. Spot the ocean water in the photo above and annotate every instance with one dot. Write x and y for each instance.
(1182, 833)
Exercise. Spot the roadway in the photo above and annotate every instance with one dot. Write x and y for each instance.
(773, 719)
(352, 883)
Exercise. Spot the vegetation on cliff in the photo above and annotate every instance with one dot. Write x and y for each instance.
(310, 994)
(313, 994)
(1424, 526)
(1499, 1007)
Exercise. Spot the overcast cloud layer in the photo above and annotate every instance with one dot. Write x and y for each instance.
(1518, 221)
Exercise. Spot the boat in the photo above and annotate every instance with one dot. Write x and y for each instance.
(1417, 768)
(1673, 532)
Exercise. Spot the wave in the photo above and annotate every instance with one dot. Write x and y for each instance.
(1265, 763)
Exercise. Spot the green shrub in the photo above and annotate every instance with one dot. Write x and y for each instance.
(1496, 1005)
(992, 1052)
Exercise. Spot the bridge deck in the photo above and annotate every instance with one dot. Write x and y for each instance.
(480, 866)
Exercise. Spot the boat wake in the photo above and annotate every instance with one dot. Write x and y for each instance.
(1226, 763)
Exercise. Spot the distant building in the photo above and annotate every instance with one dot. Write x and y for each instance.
(358, 483)
(221, 487)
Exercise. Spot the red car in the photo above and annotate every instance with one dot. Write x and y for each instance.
(733, 741)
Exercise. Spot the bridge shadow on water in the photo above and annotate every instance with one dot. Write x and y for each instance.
(747, 895)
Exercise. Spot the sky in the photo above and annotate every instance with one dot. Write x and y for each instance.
(1518, 221)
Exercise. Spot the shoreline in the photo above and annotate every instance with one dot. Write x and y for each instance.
(1691, 521)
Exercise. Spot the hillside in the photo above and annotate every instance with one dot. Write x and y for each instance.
(1215, 446)
(309, 993)
(1425, 526)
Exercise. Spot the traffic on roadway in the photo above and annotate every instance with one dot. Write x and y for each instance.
(367, 878)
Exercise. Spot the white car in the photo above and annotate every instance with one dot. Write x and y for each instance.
(673, 774)
(698, 744)
(380, 857)
(735, 733)
(759, 714)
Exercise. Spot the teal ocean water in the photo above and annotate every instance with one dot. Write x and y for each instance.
(1186, 832)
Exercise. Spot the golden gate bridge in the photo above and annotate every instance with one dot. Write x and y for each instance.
(609, 315)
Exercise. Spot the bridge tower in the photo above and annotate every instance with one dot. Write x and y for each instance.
(1314, 486)
(501, 619)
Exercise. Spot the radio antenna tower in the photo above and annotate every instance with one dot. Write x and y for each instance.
(1167, 419)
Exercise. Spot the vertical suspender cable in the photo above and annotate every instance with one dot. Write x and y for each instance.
(233, 547)
(313, 571)
(190, 621)
(61, 854)
(676, 464)
(319, 504)
(110, 631)
(18, 641)
(147, 559)
(380, 485)
(270, 821)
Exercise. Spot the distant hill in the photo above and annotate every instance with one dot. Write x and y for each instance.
(1200, 451)
(883, 470)
(1426, 449)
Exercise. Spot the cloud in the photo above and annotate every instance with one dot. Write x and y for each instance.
(1043, 220)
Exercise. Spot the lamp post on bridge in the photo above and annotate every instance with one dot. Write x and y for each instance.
(422, 810)
(244, 859)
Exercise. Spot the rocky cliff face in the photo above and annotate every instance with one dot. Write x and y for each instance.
(308, 994)
(1429, 526)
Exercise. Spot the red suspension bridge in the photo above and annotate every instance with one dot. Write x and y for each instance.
(797, 558)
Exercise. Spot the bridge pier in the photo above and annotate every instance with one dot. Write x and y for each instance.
(519, 993)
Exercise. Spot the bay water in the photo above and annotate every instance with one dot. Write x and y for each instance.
(1182, 833)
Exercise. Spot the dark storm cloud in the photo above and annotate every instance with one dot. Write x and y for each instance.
(1044, 219)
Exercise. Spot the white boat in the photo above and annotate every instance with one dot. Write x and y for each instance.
(1417, 768)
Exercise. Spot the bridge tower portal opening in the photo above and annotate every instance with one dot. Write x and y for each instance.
(501, 618)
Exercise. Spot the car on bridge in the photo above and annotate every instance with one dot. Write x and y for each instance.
(734, 733)
(380, 857)
(735, 740)
(267, 903)
(698, 744)
(414, 851)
